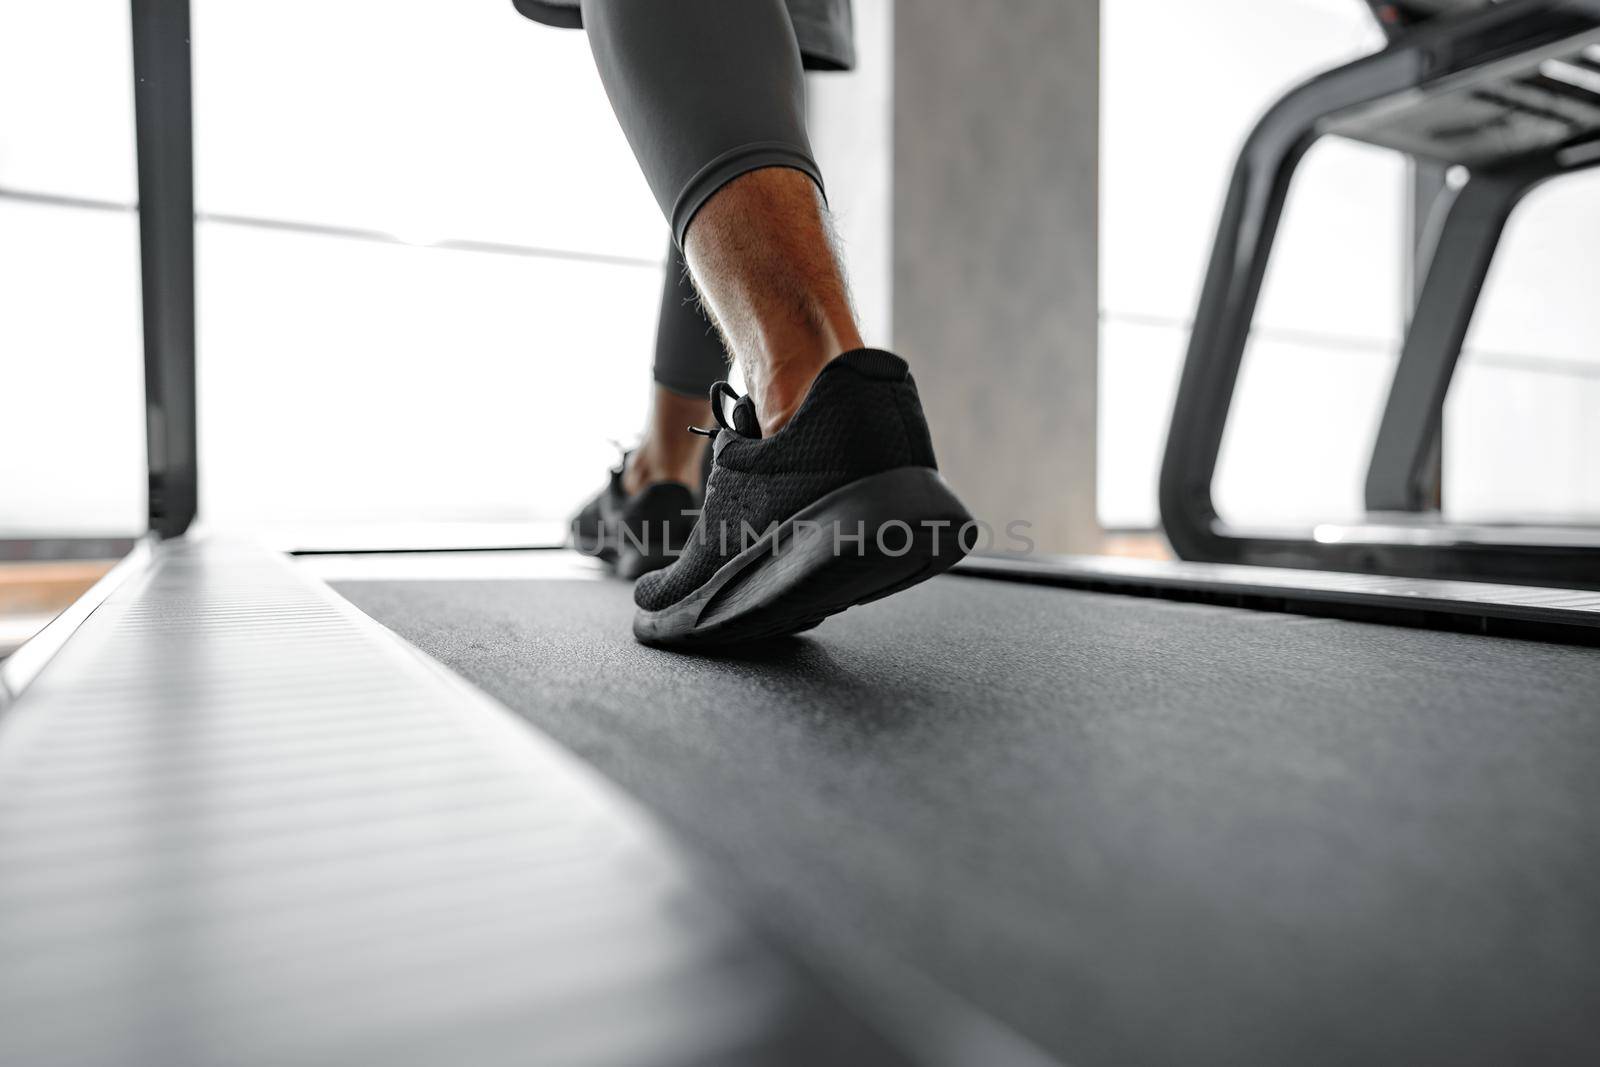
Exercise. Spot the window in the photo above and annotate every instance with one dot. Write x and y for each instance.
(1182, 85)
(72, 456)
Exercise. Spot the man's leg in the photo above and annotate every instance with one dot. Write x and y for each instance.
(642, 517)
(689, 359)
(711, 95)
(762, 254)
(830, 450)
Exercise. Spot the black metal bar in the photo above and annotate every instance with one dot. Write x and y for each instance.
(165, 140)
(1402, 474)
(1431, 195)
(1245, 234)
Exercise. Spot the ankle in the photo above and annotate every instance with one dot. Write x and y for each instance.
(782, 390)
(764, 261)
(668, 451)
(782, 383)
(652, 463)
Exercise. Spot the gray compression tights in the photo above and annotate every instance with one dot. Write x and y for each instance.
(690, 358)
(705, 90)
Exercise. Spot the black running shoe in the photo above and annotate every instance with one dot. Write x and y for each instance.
(842, 506)
(635, 534)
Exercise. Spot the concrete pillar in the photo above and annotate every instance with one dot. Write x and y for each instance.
(995, 211)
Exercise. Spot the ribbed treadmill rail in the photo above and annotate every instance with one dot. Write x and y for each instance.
(242, 824)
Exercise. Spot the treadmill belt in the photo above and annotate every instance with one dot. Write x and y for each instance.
(1138, 831)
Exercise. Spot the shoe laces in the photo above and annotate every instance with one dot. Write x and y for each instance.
(623, 452)
(744, 414)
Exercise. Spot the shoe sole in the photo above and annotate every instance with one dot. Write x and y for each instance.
(812, 565)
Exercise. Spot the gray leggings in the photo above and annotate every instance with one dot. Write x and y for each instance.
(690, 358)
(705, 90)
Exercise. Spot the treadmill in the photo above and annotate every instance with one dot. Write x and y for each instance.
(1319, 799)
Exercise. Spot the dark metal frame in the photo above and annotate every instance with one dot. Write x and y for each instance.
(163, 126)
(1428, 186)
(1452, 48)
(1465, 232)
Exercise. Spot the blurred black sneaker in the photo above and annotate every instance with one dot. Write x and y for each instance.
(842, 506)
(635, 534)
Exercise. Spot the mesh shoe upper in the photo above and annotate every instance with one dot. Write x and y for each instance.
(862, 416)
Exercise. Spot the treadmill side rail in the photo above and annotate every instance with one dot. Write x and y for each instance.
(244, 823)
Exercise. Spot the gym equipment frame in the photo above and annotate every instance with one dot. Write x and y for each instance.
(1469, 90)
